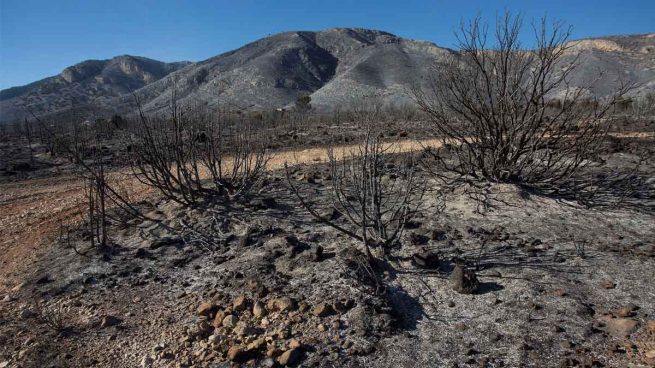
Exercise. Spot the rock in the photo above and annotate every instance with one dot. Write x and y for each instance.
(560, 292)
(438, 235)
(322, 327)
(607, 284)
(317, 254)
(463, 280)
(322, 310)
(108, 321)
(240, 303)
(293, 344)
(146, 362)
(237, 354)
(273, 352)
(625, 311)
(243, 329)
(426, 259)
(45, 279)
(230, 321)
(650, 326)
(303, 307)
(218, 319)
(418, 239)
(8, 298)
(290, 357)
(142, 253)
(283, 304)
(649, 357)
(257, 345)
(343, 306)
(205, 309)
(619, 327)
(258, 310)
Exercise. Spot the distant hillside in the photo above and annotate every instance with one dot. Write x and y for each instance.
(337, 67)
(89, 82)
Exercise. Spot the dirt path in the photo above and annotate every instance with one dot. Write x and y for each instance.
(32, 211)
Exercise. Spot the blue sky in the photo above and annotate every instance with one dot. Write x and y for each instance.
(39, 38)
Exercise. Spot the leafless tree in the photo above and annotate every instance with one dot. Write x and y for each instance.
(375, 201)
(492, 106)
(83, 147)
(176, 153)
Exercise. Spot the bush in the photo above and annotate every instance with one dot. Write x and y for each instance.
(492, 107)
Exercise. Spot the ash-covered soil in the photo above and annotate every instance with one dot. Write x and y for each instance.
(261, 283)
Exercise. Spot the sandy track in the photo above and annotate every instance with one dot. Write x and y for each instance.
(32, 211)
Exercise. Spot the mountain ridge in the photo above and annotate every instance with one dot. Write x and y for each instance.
(337, 67)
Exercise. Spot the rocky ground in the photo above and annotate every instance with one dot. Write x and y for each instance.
(260, 283)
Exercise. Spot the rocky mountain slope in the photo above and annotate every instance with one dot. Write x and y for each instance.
(95, 82)
(338, 67)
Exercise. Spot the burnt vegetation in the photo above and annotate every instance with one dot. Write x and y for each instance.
(499, 114)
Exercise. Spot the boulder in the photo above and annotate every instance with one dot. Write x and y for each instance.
(108, 321)
(619, 327)
(258, 310)
(290, 357)
(322, 310)
(464, 280)
(240, 303)
(205, 309)
(283, 304)
(230, 321)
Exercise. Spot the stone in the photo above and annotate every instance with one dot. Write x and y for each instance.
(290, 357)
(625, 311)
(322, 328)
(27, 312)
(218, 319)
(243, 329)
(230, 321)
(607, 284)
(273, 352)
(649, 357)
(256, 345)
(8, 298)
(650, 326)
(463, 280)
(142, 253)
(560, 292)
(418, 239)
(237, 354)
(146, 362)
(283, 304)
(619, 327)
(240, 303)
(426, 259)
(303, 307)
(258, 310)
(205, 309)
(293, 344)
(108, 321)
(438, 235)
(322, 310)
(343, 306)
(317, 254)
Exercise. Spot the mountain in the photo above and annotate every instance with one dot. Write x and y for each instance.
(337, 67)
(95, 82)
